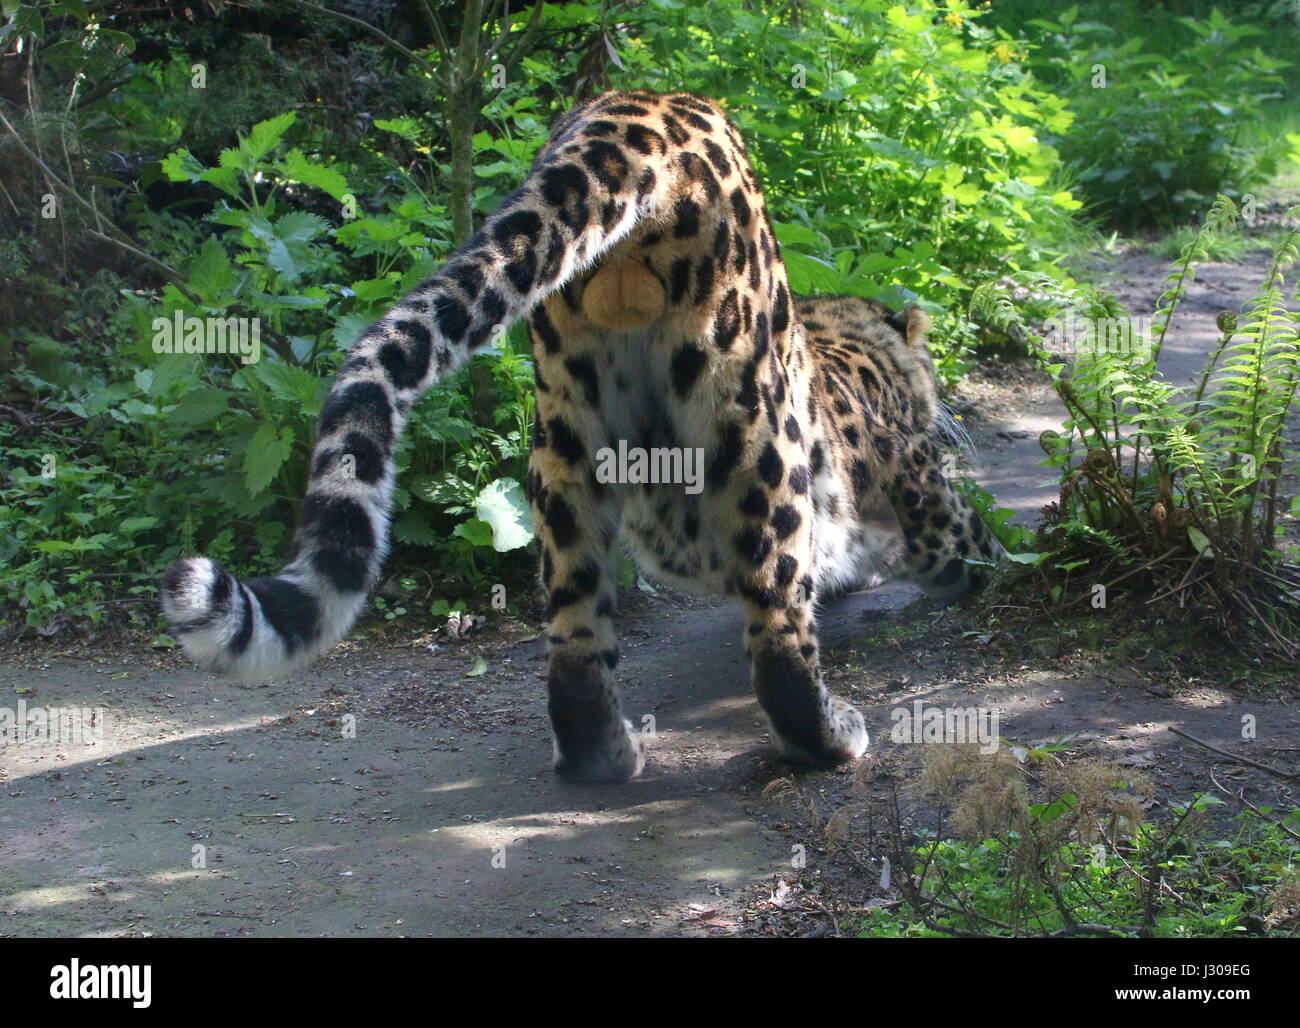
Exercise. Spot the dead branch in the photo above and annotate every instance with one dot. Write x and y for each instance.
(1285, 775)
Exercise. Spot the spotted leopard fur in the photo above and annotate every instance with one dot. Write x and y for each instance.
(640, 250)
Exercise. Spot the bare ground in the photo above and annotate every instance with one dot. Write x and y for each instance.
(389, 792)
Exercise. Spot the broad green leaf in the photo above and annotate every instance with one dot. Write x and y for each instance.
(210, 272)
(267, 451)
(300, 168)
(503, 506)
(407, 128)
(295, 385)
(810, 276)
(55, 546)
(225, 179)
(413, 528)
(199, 406)
(478, 533)
(347, 330)
(182, 166)
(788, 234)
(288, 240)
(137, 410)
(266, 136)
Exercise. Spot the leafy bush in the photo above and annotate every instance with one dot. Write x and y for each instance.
(215, 449)
(900, 145)
(1165, 131)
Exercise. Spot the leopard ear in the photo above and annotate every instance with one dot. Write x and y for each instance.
(912, 324)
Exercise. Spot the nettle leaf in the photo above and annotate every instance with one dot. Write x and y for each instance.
(311, 298)
(266, 136)
(790, 234)
(199, 406)
(292, 384)
(267, 451)
(301, 168)
(874, 263)
(288, 240)
(182, 166)
(174, 370)
(225, 179)
(376, 290)
(210, 272)
(378, 230)
(300, 227)
(136, 410)
(504, 507)
(347, 330)
(413, 528)
(407, 128)
(810, 276)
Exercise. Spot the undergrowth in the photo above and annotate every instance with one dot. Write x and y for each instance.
(1028, 842)
(1174, 495)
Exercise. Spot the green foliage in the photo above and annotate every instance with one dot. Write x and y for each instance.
(219, 446)
(1226, 247)
(992, 839)
(1210, 887)
(1152, 477)
(1018, 540)
(900, 147)
(1168, 128)
(900, 144)
(1025, 841)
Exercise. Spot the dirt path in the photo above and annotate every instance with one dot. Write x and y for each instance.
(208, 808)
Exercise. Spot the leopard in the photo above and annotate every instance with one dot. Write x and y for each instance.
(641, 254)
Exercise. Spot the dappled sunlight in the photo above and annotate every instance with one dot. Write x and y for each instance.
(681, 720)
(124, 890)
(468, 783)
(692, 854)
(34, 758)
(1208, 698)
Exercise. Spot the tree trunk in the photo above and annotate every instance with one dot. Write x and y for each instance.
(464, 101)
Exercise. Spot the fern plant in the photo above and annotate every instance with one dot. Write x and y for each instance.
(1178, 494)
